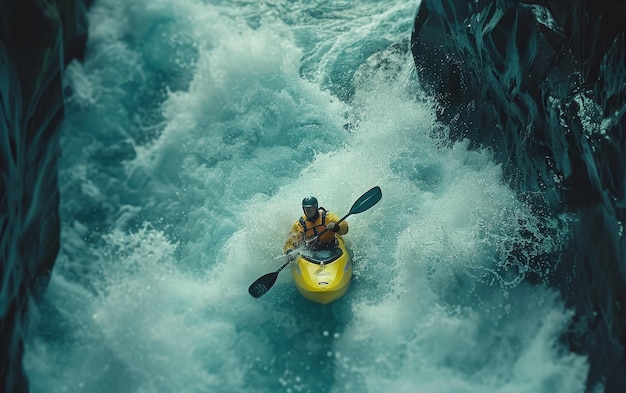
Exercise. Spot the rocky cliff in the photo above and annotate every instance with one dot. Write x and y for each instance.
(37, 40)
(543, 83)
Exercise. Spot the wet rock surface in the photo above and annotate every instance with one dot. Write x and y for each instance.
(38, 39)
(543, 83)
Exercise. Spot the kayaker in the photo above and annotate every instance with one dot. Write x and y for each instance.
(314, 221)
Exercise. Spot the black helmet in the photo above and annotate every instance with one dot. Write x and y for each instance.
(309, 201)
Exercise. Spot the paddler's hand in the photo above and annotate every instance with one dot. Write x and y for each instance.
(291, 255)
(332, 226)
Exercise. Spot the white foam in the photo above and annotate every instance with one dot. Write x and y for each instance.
(170, 213)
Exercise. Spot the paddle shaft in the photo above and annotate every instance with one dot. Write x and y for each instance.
(326, 229)
(283, 266)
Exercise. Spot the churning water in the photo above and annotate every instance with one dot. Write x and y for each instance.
(194, 129)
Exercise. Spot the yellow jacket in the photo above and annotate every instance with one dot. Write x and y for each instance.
(304, 229)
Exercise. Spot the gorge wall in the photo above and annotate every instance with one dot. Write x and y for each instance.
(37, 40)
(543, 83)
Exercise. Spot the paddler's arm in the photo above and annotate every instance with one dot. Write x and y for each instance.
(294, 238)
(343, 225)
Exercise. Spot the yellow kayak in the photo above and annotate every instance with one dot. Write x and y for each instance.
(323, 275)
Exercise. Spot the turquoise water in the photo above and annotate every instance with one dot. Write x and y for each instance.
(193, 131)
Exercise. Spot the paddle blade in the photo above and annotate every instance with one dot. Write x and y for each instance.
(263, 284)
(366, 200)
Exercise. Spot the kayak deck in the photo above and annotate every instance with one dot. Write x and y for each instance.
(323, 275)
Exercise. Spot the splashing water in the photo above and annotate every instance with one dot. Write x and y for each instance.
(194, 129)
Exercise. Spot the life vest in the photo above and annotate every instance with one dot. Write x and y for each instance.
(310, 229)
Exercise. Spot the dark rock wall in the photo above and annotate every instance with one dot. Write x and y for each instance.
(544, 84)
(37, 40)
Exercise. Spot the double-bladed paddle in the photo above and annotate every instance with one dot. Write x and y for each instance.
(265, 282)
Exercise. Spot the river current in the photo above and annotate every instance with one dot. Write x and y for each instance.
(194, 129)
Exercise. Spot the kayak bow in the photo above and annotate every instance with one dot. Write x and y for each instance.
(323, 275)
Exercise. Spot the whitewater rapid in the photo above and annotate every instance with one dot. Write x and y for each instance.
(193, 131)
